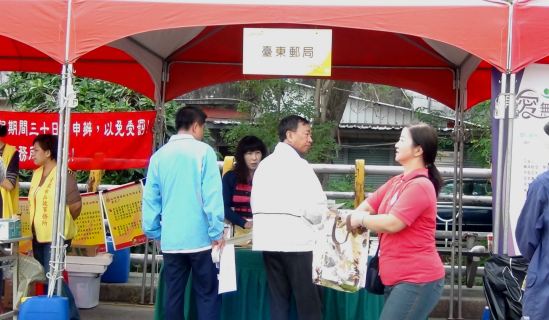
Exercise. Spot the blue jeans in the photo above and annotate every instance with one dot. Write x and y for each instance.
(42, 253)
(411, 301)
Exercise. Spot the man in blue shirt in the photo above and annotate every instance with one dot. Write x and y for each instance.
(532, 235)
(183, 206)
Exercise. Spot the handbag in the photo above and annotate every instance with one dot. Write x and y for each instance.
(373, 280)
(339, 256)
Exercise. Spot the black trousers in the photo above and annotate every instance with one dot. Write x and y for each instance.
(289, 272)
(177, 267)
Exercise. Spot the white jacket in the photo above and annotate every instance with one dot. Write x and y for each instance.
(286, 198)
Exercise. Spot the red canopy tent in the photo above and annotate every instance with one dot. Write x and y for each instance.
(530, 34)
(415, 46)
(32, 36)
(166, 48)
(215, 56)
(432, 47)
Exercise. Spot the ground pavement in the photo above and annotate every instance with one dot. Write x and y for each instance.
(106, 311)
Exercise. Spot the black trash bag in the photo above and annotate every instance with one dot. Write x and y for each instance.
(503, 279)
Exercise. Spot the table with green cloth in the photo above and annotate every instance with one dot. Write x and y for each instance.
(251, 300)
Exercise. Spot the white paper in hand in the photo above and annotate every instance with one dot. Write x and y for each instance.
(227, 270)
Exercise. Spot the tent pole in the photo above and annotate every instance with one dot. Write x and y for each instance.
(158, 141)
(57, 255)
(161, 134)
(455, 135)
(166, 78)
(499, 175)
(62, 108)
(144, 276)
(153, 270)
(509, 115)
(508, 162)
(146, 244)
(63, 166)
(462, 138)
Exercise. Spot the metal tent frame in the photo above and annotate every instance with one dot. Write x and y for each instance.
(66, 100)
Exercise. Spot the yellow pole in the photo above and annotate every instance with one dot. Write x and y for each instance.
(359, 182)
(95, 179)
(228, 164)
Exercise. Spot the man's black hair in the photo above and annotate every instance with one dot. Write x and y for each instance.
(290, 123)
(187, 116)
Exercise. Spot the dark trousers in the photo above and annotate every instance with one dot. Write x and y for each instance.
(289, 272)
(177, 267)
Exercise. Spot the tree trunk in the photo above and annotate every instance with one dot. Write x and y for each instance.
(317, 99)
(338, 100)
(327, 90)
(335, 95)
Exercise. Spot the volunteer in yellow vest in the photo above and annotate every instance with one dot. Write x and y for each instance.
(9, 188)
(41, 202)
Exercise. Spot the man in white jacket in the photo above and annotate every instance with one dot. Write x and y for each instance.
(287, 200)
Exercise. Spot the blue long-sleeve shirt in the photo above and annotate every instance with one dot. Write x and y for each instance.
(532, 234)
(184, 187)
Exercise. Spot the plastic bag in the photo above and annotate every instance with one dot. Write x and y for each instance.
(503, 279)
(339, 257)
(30, 270)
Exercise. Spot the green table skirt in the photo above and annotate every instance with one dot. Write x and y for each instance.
(251, 300)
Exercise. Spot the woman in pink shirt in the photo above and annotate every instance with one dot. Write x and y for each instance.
(403, 213)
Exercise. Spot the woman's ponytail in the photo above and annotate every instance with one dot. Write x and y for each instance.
(435, 177)
(426, 137)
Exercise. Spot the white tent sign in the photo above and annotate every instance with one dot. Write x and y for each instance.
(291, 52)
(530, 156)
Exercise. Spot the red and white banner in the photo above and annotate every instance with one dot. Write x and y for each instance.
(108, 141)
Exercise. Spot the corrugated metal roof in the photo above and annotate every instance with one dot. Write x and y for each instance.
(369, 126)
(341, 126)
(223, 115)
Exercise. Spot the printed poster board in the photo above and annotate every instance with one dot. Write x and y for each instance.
(25, 247)
(123, 209)
(91, 228)
(530, 156)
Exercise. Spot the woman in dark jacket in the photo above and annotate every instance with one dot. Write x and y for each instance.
(237, 183)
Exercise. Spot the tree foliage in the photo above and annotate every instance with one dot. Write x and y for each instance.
(480, 143)
(377, 93)
(478, 131)
(37, 92)
(265, 102)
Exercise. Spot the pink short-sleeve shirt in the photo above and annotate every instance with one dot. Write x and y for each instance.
(409, 255)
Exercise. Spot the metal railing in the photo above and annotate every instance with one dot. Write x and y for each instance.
(441, 198)
(139, 258)
(350, 169)
(396, 170)
(320, 168)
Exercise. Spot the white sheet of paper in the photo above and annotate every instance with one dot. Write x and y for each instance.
(227, 270)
